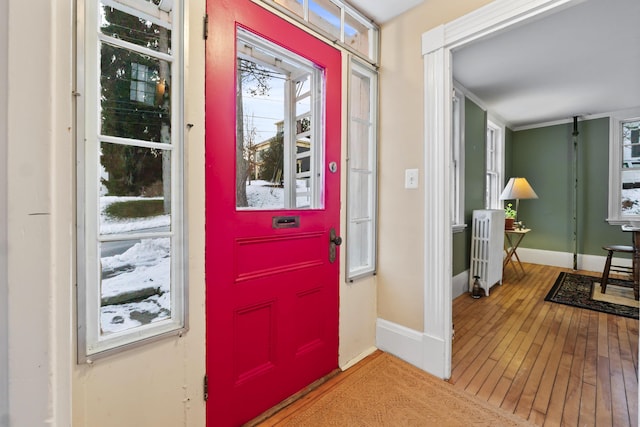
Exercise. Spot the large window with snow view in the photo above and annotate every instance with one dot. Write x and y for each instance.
(624, 167)
(336, 20)
(130, 205)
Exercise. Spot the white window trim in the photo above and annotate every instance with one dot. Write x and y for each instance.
(457, 156)
(615, 162)
(499, 132)
(88, 296)
(355, 273)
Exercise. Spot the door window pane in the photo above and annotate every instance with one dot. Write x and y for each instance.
(304, 142)
(276, 126)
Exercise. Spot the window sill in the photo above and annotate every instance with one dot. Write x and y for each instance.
(617, 221)
(458, 228)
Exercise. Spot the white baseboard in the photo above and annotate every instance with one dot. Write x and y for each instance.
(434, 354)
(593, 263)
(460, 284)
(419, 349)
(403, 342)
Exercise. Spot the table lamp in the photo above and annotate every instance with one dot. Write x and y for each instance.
(518, 188)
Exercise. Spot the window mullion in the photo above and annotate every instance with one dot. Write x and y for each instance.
(135, 48)
(143, 9)
(135, 142)
(134, 236)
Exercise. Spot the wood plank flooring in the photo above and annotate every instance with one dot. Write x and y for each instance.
(549, 363)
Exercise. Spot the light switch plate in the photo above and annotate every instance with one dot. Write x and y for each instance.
(411, 178)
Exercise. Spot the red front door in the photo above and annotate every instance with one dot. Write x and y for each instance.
(271, 277)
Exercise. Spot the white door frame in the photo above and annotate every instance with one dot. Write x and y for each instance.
(437, 45)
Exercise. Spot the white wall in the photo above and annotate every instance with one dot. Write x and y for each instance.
(39, 125)
(401, 282)
(4, 364)
(159, 384)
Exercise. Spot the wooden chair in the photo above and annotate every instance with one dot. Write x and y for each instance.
(608, 267)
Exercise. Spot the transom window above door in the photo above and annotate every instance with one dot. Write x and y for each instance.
(279, 116)
(337, 21)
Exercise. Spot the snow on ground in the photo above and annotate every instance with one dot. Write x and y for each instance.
(144, 265)
(119, 317)
(632, 195)
(263, 195)
(147, 263)
(110, 225)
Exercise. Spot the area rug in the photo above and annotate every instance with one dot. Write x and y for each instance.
(387, 391)
(583, 291)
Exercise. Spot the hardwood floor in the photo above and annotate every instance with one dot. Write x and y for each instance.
(549, 363)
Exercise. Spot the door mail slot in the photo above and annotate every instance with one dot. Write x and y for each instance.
(286, 221)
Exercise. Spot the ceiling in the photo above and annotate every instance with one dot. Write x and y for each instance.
(382, 11)
(583, 60)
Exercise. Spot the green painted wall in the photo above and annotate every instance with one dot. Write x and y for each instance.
(474, 181)
(545, 157)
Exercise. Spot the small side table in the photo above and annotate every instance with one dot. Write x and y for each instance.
(514, 237)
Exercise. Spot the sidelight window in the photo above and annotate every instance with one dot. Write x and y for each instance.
(362, 178)
(131, 285)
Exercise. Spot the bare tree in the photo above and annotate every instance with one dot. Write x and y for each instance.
(256, 80)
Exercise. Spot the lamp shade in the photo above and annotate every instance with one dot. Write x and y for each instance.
(518, 188)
